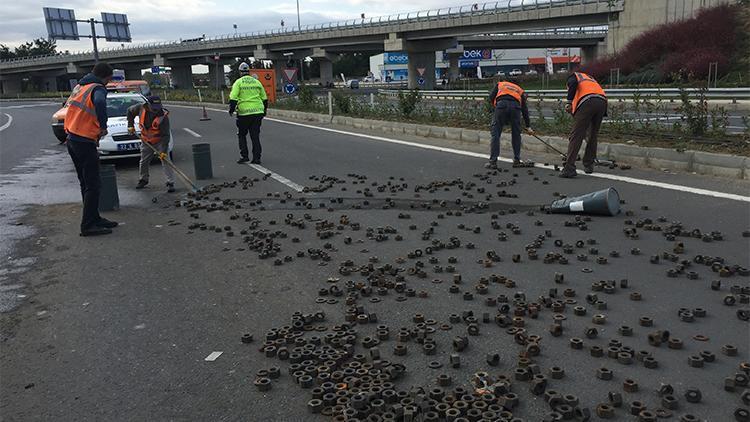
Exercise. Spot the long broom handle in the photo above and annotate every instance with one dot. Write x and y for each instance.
(172, 166)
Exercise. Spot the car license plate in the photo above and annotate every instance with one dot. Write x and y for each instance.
(130, 146)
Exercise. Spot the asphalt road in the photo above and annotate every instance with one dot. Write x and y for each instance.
(118, 327)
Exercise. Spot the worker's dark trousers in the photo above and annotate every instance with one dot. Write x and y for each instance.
(588, 119)
(506, 112)
(250, 123)
(86, 160)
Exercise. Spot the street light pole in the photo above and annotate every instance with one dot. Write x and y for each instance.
(302, 60)
(93, 38)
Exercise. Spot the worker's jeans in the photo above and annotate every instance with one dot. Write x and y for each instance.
(588, 119)
(86, 161)
(506, 112)
(147, 155)
(250, 123)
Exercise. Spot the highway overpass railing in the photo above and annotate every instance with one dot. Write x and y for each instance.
(475, 9)
(665, 93)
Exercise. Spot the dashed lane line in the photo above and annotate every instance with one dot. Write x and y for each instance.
(279, 178)
(197, 135)
(7, 125)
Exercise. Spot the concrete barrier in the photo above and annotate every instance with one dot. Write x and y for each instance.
(629, 154)
(453, 133)
(721, 165)
(669, 159)
(470, 135)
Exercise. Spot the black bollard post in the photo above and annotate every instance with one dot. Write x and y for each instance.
(202, 161)
(109, 199)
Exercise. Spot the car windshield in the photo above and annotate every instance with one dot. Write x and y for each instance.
(118, 106)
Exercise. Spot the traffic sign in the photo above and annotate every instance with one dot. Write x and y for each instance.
(420, 81)
(421, 70)
(118, 75)
(290, 88)
(155, 70)
(290, 74)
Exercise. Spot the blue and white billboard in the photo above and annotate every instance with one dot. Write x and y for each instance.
(395, 58)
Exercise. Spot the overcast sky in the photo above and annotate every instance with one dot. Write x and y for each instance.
(160, 20)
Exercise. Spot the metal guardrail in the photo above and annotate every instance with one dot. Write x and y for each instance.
(476, 9)
(665, 93)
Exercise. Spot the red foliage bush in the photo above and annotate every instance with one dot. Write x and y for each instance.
(685, 47)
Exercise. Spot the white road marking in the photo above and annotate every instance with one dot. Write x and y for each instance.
(279, 178)
(633, 180)
(30, 105)
(197, 135)
(7, 125)
(212, 357)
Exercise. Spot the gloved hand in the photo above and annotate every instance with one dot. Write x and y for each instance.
(530, 131)
(162, 156)
(569, 107)
(131, 130)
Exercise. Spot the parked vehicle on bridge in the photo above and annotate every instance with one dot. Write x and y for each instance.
(352, 83)
(136, 86)
(515, 72)
(118, 143)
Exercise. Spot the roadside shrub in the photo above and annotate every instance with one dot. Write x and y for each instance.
(342, 103)
(407, 101)
(306, 96)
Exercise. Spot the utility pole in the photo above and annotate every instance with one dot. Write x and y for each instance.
(93, 38)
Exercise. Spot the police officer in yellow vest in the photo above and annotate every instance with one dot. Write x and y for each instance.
(153, 121)
(85, 125)
(509, 101)
(248, 98)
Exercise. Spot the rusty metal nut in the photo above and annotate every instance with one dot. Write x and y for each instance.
(615, 399)
(645, 321)
(315, 405)
(695, 361)
(674, 343)
(707, 356)
(604, 374)
(247, 338)
(636, 407)
(669, 402)
(263, 384)
(741, 415)
(400, 350)
(444, 380)
(605, 411)
(625, 330)
(599, 319)
(596, 351)
(630, 386)
(624, 358)
(556, 372)
(647, 416)
(741, 379)
(635, 296)
(650, 362)
(729, 350)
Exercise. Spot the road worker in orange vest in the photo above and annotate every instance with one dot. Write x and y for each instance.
(153, 122)
(85, 125)
(587, 102)
(510, 103)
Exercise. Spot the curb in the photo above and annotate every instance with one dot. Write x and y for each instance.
(721, 165)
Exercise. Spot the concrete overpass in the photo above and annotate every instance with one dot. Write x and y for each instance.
(419, 34)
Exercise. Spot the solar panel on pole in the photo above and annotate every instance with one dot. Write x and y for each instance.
(61, 24)
(116, 27)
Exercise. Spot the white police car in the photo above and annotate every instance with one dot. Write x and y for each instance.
(118, 143)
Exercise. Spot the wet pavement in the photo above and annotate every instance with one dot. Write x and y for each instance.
(119, 327)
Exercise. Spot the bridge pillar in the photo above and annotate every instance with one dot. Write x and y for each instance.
(182, 76)
(590, 53)
(48, 84)
(10, 85)
(326, 64)
(421, 69)
(216, 77)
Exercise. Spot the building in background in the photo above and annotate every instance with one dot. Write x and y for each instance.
(477, 62)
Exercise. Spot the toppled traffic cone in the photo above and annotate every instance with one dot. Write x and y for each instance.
(603, 202)
(205, 115)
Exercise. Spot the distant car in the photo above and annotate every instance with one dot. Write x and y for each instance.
(352, 83)
(369, 79)
(532, 72)
(515, 72)
(500, 73)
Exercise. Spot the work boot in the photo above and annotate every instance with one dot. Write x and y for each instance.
(170, 187)
(141, 184)
(255, 161)
(588, 169)
(492, 165)
(103, 222)
(243, 160)
(95, 231)
(568, 173)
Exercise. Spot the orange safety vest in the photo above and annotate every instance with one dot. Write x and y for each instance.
(151, 134)
(508, 88)
(80, 119)
(586, 86)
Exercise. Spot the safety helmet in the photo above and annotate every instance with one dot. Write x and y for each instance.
(244, 67)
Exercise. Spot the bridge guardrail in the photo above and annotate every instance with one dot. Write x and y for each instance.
(665, 93)
(476, 9)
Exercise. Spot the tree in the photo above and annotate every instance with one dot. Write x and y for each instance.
(37, 47)
(352, 64)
